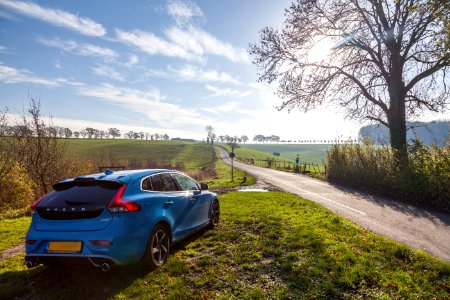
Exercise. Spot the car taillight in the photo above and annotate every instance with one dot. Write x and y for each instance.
(118, 204)
(33, 206)
(101, 242)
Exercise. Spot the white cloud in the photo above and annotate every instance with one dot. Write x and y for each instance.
(133, 60)
(200, 42)
(56, 17)
(12, 75)
(218, 92)
(224, 108)
(57, 64)
(183, 11)
(193, 73)
(191, 44)
(108, 72)
(79, 49)
(265, 93)
(3, 49)
(5, 15)
(150, 103)
(152, 44)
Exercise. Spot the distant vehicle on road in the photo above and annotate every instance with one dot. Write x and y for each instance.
(118, 218)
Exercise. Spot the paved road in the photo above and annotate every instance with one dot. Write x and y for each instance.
(421, 229)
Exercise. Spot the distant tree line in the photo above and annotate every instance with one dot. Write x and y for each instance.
(88, 132)
(259, 138)
(212, 137)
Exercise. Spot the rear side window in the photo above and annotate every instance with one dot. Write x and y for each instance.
(147, 184)
(163, 183)
(186, 183)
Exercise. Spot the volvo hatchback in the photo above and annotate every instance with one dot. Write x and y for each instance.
(118, 218)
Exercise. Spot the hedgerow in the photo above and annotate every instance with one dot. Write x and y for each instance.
(426, 178)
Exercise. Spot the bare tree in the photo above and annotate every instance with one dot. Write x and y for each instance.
(114, 132)
(44, 154)
(67, 133)
(210, 137)
(386, 62)
(244, 139)
(90, 132)
(129, 134)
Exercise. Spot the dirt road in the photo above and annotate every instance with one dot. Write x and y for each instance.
(419, 228)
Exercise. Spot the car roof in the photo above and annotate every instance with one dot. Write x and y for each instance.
(124, 176)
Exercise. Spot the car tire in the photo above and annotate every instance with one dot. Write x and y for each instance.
(158, 247)
(215, 213)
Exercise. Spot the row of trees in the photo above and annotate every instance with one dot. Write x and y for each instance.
(267, 139)
(148, 136)
(259, 138)
(211, 137)
(88, 132)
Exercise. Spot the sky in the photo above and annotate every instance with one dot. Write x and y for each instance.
(155, 66)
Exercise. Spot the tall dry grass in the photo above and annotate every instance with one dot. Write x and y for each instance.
(425, 180)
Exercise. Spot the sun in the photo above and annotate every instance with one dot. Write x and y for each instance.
(321, 49)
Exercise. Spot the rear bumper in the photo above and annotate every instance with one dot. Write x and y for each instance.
(128, 243)
(83, 260)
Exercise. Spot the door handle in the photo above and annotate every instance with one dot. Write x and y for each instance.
(168, 203)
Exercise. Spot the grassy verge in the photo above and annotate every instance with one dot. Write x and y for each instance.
(13, 231)
(267, 246)
(223, 177)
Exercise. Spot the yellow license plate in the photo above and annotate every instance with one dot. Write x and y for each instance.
(64, 247)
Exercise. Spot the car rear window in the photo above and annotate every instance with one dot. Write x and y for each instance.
(77, 199)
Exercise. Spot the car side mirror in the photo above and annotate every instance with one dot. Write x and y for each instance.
(204, 186)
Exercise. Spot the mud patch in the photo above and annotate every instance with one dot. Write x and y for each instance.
(16, 250)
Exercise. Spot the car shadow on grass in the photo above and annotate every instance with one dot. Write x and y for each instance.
(73, 282)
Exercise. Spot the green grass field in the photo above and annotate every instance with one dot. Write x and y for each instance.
(309, 153)
(13, 231)
(267, 246)
(192, 155)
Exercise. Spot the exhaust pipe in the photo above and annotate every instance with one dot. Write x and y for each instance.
(30, 264)
(105, 267)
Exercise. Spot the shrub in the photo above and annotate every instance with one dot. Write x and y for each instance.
(426, 178)
(17, 189)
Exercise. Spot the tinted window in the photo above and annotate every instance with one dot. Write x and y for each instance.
(147, 184)
(75, 193)
(164, 183)
(77, 199)
(186, 183)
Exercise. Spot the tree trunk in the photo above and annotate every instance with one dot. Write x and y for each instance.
(397, 113)
(397, 130)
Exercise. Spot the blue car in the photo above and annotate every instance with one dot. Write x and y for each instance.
(118, 218)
